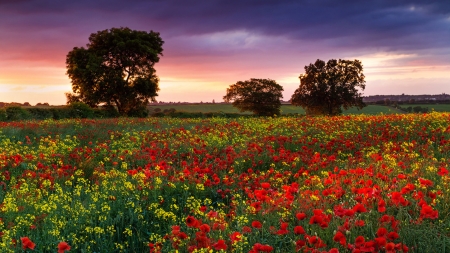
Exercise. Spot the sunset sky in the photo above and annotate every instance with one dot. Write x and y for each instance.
(403, 45)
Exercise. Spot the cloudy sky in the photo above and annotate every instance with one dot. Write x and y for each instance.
(403, 45)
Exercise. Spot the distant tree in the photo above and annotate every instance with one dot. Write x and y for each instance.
(387, 101)
(260, 96)
(116, 69)
(326, 87)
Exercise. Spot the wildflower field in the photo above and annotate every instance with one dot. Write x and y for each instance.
(322, 184)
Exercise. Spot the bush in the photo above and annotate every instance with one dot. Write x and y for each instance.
(80, 110)
(17, 113)
(3, 115)
(40, 113)
(140, 112)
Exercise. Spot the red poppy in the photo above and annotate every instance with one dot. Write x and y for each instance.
(205, 228)
(393, 235)
(299, 230)
(359, 208)
(246, 229)
(442, 171)
(220, 245)
(256, 224)
(235, 236)
(382, 232)
(27, 243)
(300, 216)
(340, 238)
(63, 246)
(265, 185)
(192, 222)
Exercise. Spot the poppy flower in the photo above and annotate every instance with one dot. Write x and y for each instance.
(299, 230)
(235, 236)
(256, 224)
(265, 185)
(382, 232)
(300, 216)
(442, 171)
(220, 245)
(192, 222)
(340, 238)
(27, 243)
(63, 246)
(205, 228)
(246, 229)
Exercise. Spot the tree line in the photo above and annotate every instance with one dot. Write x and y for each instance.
(116, 71)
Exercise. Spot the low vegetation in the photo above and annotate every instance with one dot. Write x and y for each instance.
(306, 184)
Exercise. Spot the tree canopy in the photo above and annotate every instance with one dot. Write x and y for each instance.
(116, 69)
(260, 96)
(327, 87)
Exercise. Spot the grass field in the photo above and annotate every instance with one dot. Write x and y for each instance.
(285, 109)
(435, 107)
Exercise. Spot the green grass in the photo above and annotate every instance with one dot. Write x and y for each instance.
(435, 107)
(285, 109)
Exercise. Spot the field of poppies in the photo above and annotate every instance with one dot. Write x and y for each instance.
(306, 184)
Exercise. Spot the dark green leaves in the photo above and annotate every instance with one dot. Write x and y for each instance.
(260, 96)
(326, 88)
(116, 68)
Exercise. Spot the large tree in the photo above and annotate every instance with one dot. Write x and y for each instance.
(116, 69)
(260, 96)
(327, 87)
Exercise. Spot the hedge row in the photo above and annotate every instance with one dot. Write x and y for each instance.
(80, 110)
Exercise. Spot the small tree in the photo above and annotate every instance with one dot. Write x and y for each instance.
(116, 69)
(260, 96)
(326, 87)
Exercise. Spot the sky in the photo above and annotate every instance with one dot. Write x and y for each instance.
(404, 46)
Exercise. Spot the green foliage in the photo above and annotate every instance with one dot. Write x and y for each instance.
(116, 68)
(327, 87)
(80, 110)
(3, 116)
(260, 96)
(17, 113)
(40, 113)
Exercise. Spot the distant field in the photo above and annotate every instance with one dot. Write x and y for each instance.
(435, 107)
(285, 109)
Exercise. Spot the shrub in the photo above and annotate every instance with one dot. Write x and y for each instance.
(80, 110)
(16, 113)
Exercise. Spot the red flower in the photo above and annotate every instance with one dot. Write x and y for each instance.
(340, 238)
(300, 216)
(283, 229)
(205, 228)
(27, 243)
(442, 171)
(192, 222)
(428, 212)
(359, 240)
(256, 224)
(380, 241)
(246, 229)
(265, 185)
(382, 232)
(393, 235)
(298, 230)
(359, 208)
(235, 236)
(220, 245)
(63, 246)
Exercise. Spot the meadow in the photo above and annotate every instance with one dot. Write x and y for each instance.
(285, 109)
(352, 183)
